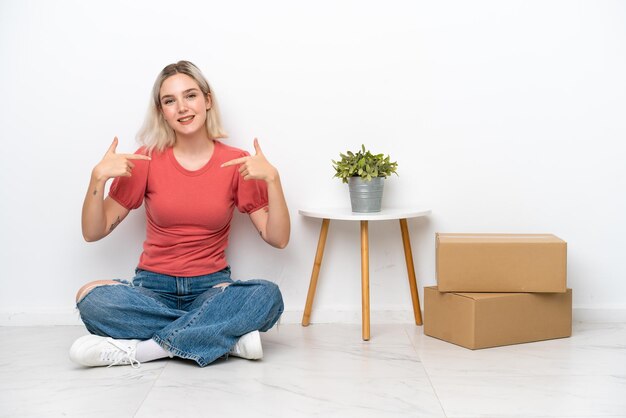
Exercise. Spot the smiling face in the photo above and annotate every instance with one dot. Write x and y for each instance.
(183, 105)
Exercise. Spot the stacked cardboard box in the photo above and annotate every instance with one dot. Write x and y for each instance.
(498, 289)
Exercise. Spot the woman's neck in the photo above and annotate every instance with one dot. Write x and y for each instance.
(195, 145)
(193, 154)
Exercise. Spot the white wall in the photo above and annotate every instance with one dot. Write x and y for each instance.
(503, 116)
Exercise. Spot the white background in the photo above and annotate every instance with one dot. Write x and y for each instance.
(503, 117)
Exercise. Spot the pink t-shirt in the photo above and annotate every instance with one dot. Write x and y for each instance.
(188, 212)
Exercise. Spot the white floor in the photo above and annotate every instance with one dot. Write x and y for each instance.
(326, 371)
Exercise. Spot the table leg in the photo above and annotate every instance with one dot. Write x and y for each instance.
(306, 317)
(365, 281)
(410, 268)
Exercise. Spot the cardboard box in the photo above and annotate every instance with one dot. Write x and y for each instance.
(481, 320)
(501, 263)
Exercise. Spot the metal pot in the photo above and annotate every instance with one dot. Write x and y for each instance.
(366, 196)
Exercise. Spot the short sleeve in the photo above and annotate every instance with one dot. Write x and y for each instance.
(130, 191)
(250, 195)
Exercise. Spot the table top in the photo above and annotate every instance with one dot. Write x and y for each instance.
(346, 214)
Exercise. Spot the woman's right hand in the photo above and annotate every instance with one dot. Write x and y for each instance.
(116, 165)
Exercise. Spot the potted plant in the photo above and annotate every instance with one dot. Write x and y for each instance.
(364, 172)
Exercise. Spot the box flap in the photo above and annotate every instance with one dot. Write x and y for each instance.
(474, 295)
(483, 296)
(496, 238)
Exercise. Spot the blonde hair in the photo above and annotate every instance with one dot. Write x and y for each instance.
(155, 132)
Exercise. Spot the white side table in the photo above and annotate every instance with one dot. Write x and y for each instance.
(345, 214)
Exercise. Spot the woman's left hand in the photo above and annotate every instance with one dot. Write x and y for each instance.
(273, 223)
(255, 166)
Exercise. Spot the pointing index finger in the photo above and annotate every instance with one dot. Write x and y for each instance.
(235, 161)
(137, 157)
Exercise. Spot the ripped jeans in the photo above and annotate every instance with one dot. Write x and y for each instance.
(188, 316)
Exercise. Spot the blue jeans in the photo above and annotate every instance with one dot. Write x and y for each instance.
(187, 316)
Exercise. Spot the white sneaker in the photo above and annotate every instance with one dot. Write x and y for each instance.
(92, 350)
(248, 346)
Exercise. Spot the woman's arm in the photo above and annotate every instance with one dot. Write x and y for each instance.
(100, 216)
(272, 222)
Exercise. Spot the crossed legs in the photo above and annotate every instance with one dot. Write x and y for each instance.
(210, 327)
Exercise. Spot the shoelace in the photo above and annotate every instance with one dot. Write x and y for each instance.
(121, 354)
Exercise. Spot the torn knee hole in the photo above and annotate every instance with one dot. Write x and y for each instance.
(223, 286)
(87, 289)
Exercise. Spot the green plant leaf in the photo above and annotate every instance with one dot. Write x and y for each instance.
(364, 164)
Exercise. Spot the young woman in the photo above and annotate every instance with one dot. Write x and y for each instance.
(182, 301)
